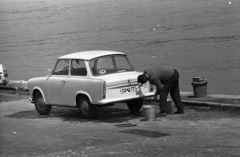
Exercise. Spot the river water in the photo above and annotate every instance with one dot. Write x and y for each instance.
(197, 37)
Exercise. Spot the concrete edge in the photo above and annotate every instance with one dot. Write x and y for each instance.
(212, 104)
(206, 101)
(13, 88)
(8, 88)
(224, 96)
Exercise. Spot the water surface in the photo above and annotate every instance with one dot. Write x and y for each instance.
(198, 38)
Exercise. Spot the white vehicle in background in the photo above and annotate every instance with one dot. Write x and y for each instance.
(3, 75)
(87, 80)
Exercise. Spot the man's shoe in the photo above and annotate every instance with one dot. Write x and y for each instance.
(178, 112)
(161, 114)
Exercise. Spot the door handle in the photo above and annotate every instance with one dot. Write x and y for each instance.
(63, 81)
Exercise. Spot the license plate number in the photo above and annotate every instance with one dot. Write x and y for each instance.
(128, 89)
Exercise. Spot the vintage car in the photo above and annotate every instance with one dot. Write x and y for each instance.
(3, 75)
(87, 80)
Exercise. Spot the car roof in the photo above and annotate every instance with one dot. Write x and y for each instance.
(88, 55)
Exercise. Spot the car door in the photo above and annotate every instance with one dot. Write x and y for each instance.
(77, 80)
(57, 84)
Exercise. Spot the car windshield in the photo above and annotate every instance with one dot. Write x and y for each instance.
(110, 64)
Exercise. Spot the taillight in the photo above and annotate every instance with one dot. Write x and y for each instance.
(151, 88)
(104, 90)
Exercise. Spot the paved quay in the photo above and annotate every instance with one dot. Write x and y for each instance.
(202, 131)
(209, 127)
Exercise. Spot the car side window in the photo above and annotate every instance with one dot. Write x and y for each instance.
(78, 68)
(62, 67)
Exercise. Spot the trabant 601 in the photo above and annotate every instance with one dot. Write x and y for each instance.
(87, 80)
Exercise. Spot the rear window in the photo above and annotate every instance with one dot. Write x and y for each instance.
(110, 64)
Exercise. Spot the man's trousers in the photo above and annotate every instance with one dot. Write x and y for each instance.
(171, 85)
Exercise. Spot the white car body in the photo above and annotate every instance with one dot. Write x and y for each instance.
(63, 87)
(3, 75)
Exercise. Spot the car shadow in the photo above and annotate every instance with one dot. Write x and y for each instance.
(104, 114)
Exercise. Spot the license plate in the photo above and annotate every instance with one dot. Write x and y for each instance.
(128, 89)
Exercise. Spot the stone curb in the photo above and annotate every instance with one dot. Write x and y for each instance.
(212, 104)
(7, 88)
(14, 88)
(205, 103)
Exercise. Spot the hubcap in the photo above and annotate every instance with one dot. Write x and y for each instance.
(84, 107)
(41, 104)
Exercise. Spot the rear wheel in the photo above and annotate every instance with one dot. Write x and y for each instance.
(87, 110)
(40, 105)
(135, 105)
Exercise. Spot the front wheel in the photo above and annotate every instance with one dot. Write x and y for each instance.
(87, 110)
(40, 105)
(135, 105)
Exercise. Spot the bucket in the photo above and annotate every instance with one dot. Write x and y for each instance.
(170, 106)
(150, 112)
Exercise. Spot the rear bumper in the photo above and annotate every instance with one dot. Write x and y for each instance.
(112, 100)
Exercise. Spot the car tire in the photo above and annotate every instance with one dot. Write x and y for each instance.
(135, 105)
(40, 105)
(87, 110)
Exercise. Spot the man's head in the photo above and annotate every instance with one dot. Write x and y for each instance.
(142, 79)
